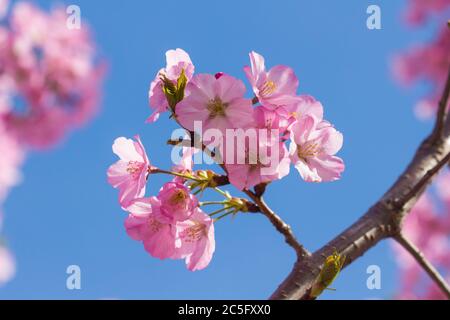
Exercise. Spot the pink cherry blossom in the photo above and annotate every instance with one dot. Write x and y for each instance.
(130, 173)
(273, 88)
(177, 61)
(7, 265)
(314, 144)
(305, 106)
(197, 240)
(266, 161)
(270, 119)
(153, 229)
(177, 203)
(216, 103)
(164, 238)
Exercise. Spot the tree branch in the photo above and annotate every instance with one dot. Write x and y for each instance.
(442, 111)
(384, 219)
(424, 263)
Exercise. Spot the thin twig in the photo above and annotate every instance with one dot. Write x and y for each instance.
(280, 225)
(425, 264)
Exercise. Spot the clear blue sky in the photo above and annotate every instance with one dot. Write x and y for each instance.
(65, 212)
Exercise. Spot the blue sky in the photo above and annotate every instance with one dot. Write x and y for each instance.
(65, 213)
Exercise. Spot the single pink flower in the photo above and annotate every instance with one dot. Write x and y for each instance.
(154, 230)
(313, 146)
(273, 88)
(177, 61)
(197, 240)
(177, 203)
(129, 174)
(265, 161)
(216, 103)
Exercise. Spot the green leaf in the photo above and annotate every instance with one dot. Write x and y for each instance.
(174, 93)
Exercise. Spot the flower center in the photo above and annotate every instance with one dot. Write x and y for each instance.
(178, 197)
(134, 168)
(216, 107)
(194, 233)
(268, 88)
(308, 150)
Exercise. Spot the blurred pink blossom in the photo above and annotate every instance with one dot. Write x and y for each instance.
(54, 72)
(428, 62)
(429, 230)
(7, 265)
(418, 11)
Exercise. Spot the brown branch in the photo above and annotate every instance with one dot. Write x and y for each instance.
(442, 111)
(422, 183)
(424, 263)
(384, 219)
(279, 224)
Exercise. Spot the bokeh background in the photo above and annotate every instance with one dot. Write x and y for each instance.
(65, 213)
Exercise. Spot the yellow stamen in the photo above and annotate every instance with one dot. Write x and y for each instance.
(216, 107)
(178, 197)
(268, 88)
(308, 150)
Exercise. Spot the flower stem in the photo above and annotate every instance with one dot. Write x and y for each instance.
(176, 174)
(226, 215)
(225, 194)
(219, 211)
(208, 203)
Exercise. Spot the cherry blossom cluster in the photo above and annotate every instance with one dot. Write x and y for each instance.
(49, 84)
(428, 227)
(429, 62)
(48, 74)
(253, 140)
